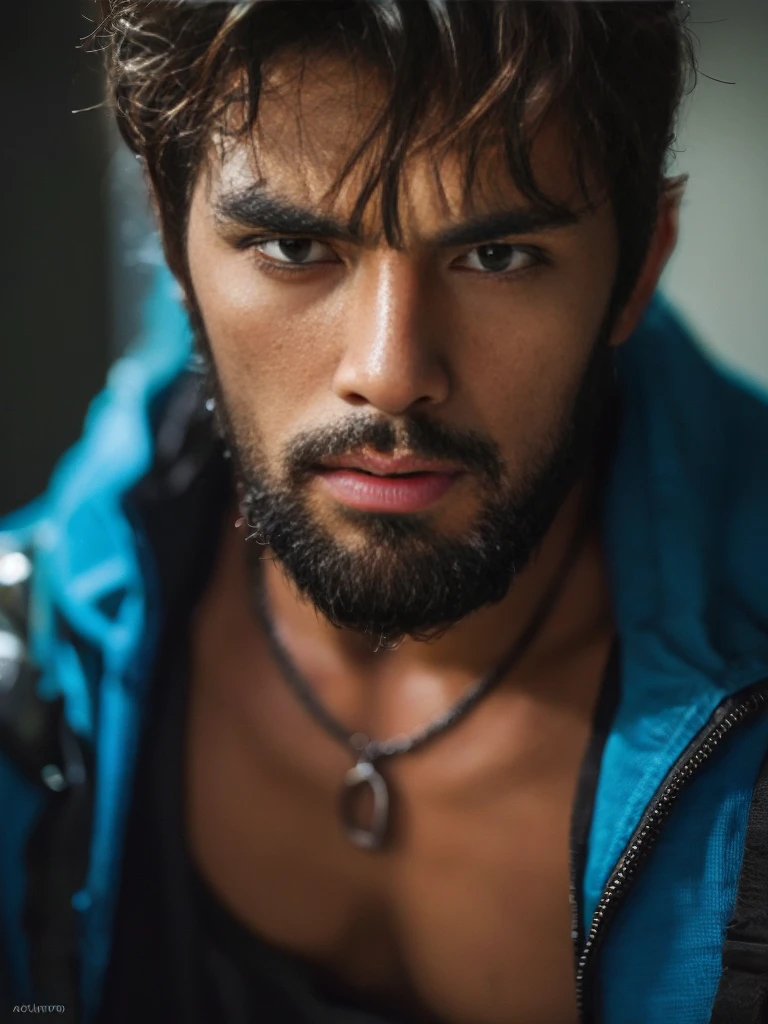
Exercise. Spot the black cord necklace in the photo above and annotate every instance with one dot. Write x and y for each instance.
(367, 750)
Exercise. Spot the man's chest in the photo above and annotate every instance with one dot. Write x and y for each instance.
(466, 917)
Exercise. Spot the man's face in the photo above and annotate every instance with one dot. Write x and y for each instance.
(406, 422)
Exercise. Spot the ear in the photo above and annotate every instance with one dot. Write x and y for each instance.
(662, 245)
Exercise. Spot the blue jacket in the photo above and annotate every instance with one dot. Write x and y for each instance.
(686, 535)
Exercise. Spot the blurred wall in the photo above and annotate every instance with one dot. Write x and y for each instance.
(54, 326)
(718, 275)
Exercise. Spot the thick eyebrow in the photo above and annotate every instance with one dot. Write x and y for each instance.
(254, 207)
(523, 221)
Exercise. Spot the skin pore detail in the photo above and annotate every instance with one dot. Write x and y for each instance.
(380, 330)
(440, 327)
(467, 343)
(387, 331)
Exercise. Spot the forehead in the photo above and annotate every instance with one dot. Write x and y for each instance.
(307, 146)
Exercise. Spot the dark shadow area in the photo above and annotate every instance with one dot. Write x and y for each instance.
(54, 273)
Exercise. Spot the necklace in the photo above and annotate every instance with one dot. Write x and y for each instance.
(368, 751)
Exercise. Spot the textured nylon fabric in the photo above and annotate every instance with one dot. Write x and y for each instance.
(663, 960)
(688, 561)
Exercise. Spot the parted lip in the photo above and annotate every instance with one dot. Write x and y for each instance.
(388, 465)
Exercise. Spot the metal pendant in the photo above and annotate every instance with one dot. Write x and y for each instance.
(362, 775)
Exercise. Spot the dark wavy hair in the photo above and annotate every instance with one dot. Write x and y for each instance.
(470, 70)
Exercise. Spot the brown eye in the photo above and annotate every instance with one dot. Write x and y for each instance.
(498, 258)
(296, 251)
(495, 257)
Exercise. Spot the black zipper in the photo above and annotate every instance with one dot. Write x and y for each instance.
(725, 717)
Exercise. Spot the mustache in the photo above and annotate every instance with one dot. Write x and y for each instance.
(419, 436)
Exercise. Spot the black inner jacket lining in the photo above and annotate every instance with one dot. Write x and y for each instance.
(586, 790)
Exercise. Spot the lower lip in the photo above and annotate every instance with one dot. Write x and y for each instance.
(393, 494)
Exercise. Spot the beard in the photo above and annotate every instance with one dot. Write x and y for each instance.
(401, 577)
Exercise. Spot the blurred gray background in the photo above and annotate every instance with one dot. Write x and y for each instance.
(77, 248)
(718, 276)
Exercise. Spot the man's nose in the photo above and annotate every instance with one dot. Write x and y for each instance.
(390, 356)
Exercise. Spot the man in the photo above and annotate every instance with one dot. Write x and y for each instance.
(406, 660)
